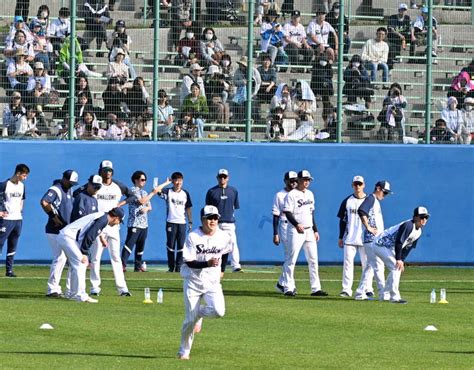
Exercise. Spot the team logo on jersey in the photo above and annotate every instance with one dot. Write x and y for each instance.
(106, 196)
(15, 194)
(3, 230)
(177, 202)
(201, 249)
(302, 202)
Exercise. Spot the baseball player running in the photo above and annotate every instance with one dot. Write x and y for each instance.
(12, 196)
(350, 236)
(302, 233)
(57, 204)
(370, 213)
(393, 245)
(201, 272)
(280, 223)
(76, 240)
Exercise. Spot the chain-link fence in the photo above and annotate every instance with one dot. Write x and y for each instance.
(264, 70)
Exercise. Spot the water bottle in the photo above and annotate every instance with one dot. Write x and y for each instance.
(144, 266)
(155, 182)
(433, 296)
(147, 294)
(159, 296)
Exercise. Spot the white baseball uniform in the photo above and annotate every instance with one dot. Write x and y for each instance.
(301, 205)
(277, 210)
(202, 282)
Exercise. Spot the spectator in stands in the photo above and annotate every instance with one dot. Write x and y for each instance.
(60, 28)
(119, 130)
(41, 46)
(82, 87)
(19, 73)
(454, 120)
(282, 99)
(439, 134)
(13, 112)
(118, 68)
(468, 121)
(39, 87)
(295, 43)
(211, 48)
(137, 97)
(22, 9)
(180, 19)
(241, 84)
(357, 82)
(97, 16)
(166, 123)
(275, 129)
(268, 76)
(217, 92)
(272, 43)
(318, 32)
(82, 105)
(19, 43)
(143, 125)
(26, 126)
(196, 103)
(119, 39)
(113, 96)
(304, 101)
(87, 128)
(333, 19)
(321, 79)
(419, 32)
(228, 71)
(188, 48)
(399, 28)
(194, 76)
(19, 25)
(392, 116)
(462, 86)
(375, 55)
(42, 16)
(268, 21)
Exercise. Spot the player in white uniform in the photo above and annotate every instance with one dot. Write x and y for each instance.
(318, 31)
(351, 236)
(302, 233)
(108, 197)
(76, 239)
(370, 213)
(393, 245)
(12, 196)
(280, 224)
(201, 272)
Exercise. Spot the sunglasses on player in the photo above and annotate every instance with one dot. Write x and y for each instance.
(425, 217)
(357, 183)
(212, 217)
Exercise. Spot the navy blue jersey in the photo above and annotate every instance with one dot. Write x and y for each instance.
(91, 234)
(402, 238)
(61, 201)
(84, 204)
(226, 200)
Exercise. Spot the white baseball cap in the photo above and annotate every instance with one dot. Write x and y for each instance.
(304, 174)
(421, 211)
(106, 164)
(403, 6)
(207, 211)
(290, 175)
(223, 171)
(358, 179)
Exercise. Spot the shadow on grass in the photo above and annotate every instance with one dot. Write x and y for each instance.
(457, 352)
(10, 295)
(56, 353)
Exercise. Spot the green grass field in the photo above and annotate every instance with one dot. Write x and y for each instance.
(261, 329)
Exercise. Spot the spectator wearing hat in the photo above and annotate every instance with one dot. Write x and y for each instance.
(295, 43)
(196, 104)
(22, 8)
(462, 85)
(241, 85)
(119, 39)
(357, 82)
(318, 32)
(468, 121)
(375, 55)
(19, 73)
(217, 92)
(97, 16)
(39, 86)
(419, 32)
(272, 39)
(399, 28)
(194, 76)
(211, 47)
(333, 19)
(118, 68)
(19, 24)
(454, 120)
(12, 113)
(19, 42)
(268, 76)
(41, 45)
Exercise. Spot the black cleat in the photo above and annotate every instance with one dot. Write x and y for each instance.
(319, 293)
(290, 293)
(344, 295)
(10, 274)
(400, 301)
(238, 270)
(279, 288)
(54, 295)
(370, 294)
(125, 294)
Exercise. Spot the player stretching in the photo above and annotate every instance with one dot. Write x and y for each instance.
(280, 224)
(201, 272)
(12, 196)
(393, 245)
(303, 233)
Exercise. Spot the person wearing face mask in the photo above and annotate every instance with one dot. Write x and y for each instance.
(454, 120)
(58, 30)
(120, 40)
(357, 82)
(188, 48)
(333, 19)
(462, 86)
(399, 26)
(468, 119)
(321, 79)
(211, 48)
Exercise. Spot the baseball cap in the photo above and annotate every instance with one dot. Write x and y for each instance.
(403, 6)
(195, 67)
(296, 13)
(304, 174)
(452, 99)
(420, 211)
(117, 212)
(18, 19)
(106, 164)
(72, 176)
(207, 211)
(469, 101)
(385, 186)
(358, 179)
(222, 172)
(120, 23)
(38, 65)
(96, 180)
(290, 175)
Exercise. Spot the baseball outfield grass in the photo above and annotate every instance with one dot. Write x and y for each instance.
(261, 329)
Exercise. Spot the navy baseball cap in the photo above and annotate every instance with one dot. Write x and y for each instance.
(117, 212)
(385, 186)
(207, 211)
(291, 175)
(296, 13)
(421, 212)
(72, 176)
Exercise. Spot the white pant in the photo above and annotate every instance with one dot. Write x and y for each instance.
(375, 264)
(307, 241)
(78, 269)
(393, 279)
(235, 254)
(215, 307)
(283, 234)
(348, 268)
(57, 266)
(113, 240)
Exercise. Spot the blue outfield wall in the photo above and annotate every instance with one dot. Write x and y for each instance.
(438, 177)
